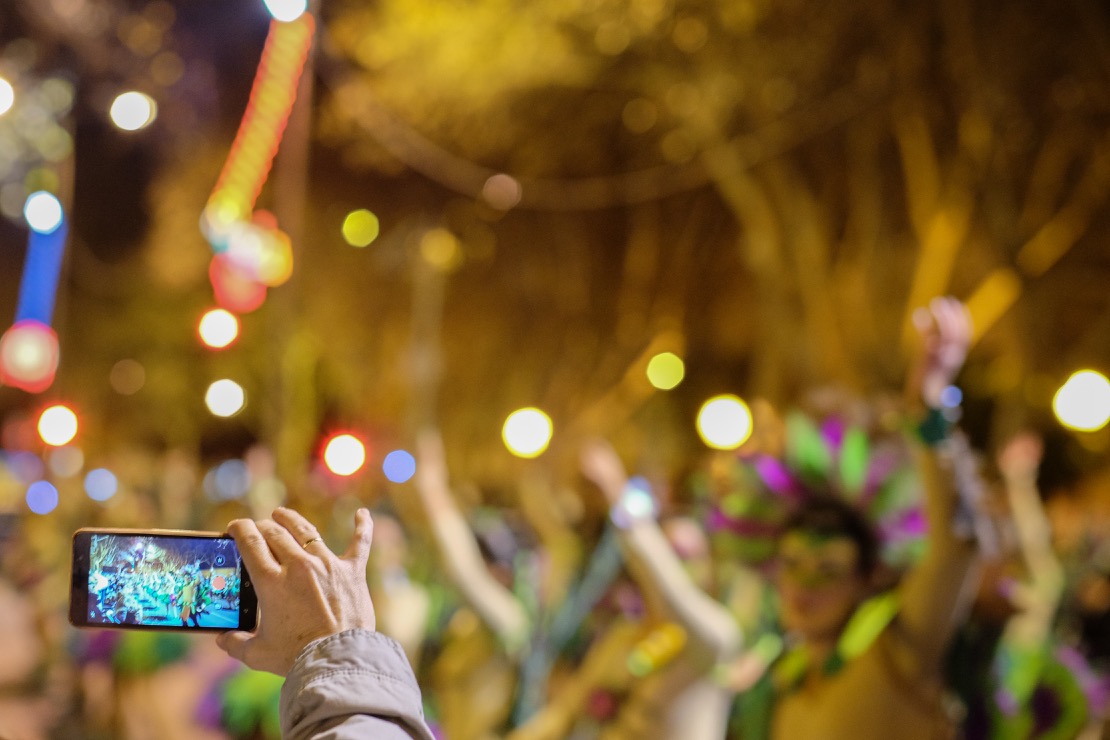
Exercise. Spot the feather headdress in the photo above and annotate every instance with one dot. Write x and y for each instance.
(749, 496)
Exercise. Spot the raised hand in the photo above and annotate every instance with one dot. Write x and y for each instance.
(601, 465)
(305, 591)
(945, 329)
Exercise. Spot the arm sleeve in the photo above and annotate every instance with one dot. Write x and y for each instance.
(354, 684)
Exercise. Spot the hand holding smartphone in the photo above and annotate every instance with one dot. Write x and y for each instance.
(161, 580)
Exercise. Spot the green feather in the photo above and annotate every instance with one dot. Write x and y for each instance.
(806, 450)
(854, 458)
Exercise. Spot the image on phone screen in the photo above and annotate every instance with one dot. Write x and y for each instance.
(160, 580)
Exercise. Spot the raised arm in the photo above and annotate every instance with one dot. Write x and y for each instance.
(1040, 596)
(935, 594)
(710, 629)
(458, 548)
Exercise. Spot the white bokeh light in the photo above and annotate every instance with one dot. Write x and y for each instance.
(43, 212)
(286, 10)
(7, 96)
(724, 422)
(225, 398)
(1083, 402)
(345, 454)
(527, 432)
(133, 110)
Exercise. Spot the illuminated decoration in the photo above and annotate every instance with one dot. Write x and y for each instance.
(57, 425)
(666, 370)
(724, 422)
(344, 454)
(260, 251)
(399, 466)
(233, 289)
(29, 349)
(527, 432)
(218, 328)
(132, 111)
(1083, 402)
(257, 250)
(29, 356)
(225, 398)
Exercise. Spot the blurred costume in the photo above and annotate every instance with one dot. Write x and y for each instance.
(880, 676)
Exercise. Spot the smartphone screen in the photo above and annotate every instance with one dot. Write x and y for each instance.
(159, 580)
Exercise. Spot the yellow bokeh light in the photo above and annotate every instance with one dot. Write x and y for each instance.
(344, 454)
(440, 249)
(724, 422)
(132, 111)
(218, 328)
(1083, 402)
(360, 228)
(527, 432)
(225, 398)
(666, 370)
(57, 425)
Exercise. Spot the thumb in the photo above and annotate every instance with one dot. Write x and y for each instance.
(235, 644)
(359, 549)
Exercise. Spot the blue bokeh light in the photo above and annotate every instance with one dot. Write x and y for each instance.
(399, 466)
(101, 484)
(42, 497)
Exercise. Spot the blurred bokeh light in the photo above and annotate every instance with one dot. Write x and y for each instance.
(218, 328)
(360, 228)
(43, 212)
(133, 110)
(101, 484)
(42, 497)
(724, 422)
(344, 454)
(399, 466)
(666, 370)
(286, 10)
(527, 432)
(57, 425)
(1083, 401)
(7, 96)
(225, 398)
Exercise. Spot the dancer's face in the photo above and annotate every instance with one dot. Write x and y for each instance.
(819, 583)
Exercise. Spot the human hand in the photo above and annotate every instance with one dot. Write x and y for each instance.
(1021, 456)
(305, 591)
(601, 465)
(945, 329)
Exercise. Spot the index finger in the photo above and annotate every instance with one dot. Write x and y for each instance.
(253, 548)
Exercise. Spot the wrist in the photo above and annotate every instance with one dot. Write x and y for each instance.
(635, 504)
(940, 417)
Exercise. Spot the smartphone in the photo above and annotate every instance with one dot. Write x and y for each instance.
(160, 580)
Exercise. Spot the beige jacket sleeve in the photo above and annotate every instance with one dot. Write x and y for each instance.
(354, 684)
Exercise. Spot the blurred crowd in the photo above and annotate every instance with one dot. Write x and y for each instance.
(856, 564)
